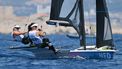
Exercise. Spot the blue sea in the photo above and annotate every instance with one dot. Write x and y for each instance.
(19, 59)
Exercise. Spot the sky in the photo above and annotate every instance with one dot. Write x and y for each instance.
(114, 9)
(114, 5)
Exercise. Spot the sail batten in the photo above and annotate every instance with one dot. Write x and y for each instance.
(104, 31)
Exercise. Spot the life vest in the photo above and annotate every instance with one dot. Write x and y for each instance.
(34, 38)
(21, 38)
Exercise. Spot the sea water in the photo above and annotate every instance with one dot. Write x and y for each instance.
(12, 59)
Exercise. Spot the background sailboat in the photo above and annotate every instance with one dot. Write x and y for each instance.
(89, 33)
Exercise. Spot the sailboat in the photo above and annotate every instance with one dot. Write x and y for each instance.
(88, 33)
(72, 11)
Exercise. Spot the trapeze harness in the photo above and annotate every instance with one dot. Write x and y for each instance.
(35, 39)
(17, 37)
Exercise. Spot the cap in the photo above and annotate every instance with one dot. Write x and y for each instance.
(16, 26)
(34, 25)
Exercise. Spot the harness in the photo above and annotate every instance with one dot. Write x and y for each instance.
(35, 39)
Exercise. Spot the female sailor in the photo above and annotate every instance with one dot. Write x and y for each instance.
(37, 39)
(17, 34)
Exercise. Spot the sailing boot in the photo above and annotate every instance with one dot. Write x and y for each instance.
(52, 48)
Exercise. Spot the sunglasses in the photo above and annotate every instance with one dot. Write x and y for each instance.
(17, 28)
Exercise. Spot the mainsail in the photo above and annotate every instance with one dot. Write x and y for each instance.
(104, 31)
(72, 12)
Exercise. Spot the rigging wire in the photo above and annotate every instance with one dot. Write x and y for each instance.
(91, 33)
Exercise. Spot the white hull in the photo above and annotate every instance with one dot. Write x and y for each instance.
(93, 53)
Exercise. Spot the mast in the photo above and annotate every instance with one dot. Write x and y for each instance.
(82, 25)
(104, 31)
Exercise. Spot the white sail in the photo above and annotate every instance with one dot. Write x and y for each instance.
(107, 30)
(104, 31)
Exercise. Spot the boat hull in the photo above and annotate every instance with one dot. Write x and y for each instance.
(43, 53)
(93, 54)
(90, 53)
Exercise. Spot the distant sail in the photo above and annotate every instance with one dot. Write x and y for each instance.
(104, 31)
(72, 12)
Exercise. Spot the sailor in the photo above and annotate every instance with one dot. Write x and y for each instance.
(37, 37)
(17, 34)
